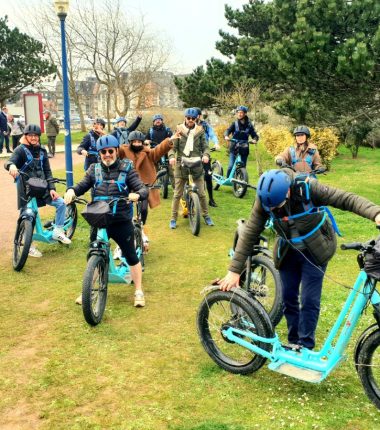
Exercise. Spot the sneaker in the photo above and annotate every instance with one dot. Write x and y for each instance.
(173, 224)
(117, 253)
(139, 299)
(208, 220)
(59, 235)
(145, 243)
(50, 155)
(78, 300)
(34, 252)
(212, 203)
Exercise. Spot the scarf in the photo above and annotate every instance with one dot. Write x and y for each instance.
(189, 142)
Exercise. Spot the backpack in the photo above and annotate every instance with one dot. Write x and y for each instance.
(122, 135)
(308, 159)
(246, 130)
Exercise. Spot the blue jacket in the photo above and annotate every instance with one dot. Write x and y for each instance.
(3, 122)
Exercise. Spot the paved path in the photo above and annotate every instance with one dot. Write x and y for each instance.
(8, 197)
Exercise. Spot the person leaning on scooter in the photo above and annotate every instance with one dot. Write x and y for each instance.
(305, 242)
(303, 156)
(110, 179)
(32, 159)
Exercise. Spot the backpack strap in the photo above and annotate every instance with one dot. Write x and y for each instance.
(92, 143)
(98, 175)
(125, 167)
(29, 158)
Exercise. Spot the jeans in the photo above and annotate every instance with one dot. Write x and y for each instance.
(301, 318)
(60, 207)
(232, 159)
(2, 138)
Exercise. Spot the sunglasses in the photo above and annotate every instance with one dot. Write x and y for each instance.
(192, 118)
(105, 151)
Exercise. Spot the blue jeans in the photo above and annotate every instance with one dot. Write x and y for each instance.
(232, 159)
(60, 207)
(302, 319)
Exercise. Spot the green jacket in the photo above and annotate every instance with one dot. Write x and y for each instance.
(322, 244)
(200, 148)
(52, 127)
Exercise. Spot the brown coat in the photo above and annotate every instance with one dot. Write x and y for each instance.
(145, 164)
(301, 154)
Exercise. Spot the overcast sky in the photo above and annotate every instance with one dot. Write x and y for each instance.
(192, 26)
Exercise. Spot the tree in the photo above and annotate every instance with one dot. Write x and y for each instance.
(22, 61)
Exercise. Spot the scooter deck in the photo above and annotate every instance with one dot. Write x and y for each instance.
(301, 373)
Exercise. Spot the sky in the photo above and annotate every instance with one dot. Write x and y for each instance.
(191, 26)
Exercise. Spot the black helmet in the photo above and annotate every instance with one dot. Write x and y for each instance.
(301, 129)
(136, 135)
(32, 129)
(100, 121)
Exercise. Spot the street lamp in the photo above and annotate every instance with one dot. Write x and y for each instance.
(61, 8)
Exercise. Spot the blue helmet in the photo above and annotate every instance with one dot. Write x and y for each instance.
(199, 110)
(121, 118)
(158, 116)
(191, 112)
(108, 141)
(273, 187)
(242, 108)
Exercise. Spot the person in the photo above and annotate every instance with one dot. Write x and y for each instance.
(121, 131)
(240, 129)
(303, 156)
(210, 135)
(145, 159)
(17, 130)
(104, 180)
(190, 143)
(305, 242)
(31, 158)
(88, 145)
(52, 130)
(158, 132)
(4, 130)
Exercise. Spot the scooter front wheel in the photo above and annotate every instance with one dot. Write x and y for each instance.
(22, 243)
(194, 213)
(94, 290)
(240, 190)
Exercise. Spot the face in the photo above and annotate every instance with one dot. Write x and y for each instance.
(190, 121)
(98, 127)
(121, 124)
(300, 138)
(108, 156)
(240, 114)
(157, 122)
(32, 139)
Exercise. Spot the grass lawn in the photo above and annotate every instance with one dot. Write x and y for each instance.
(145, 368)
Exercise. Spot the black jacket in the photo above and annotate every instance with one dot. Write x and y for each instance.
(158, 134)
(89, 144)
(245, 129)
(36, 169)
(109, 189)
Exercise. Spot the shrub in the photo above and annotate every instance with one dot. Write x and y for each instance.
(275, 139)
(327, 142)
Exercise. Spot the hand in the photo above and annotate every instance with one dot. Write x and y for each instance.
(254, 141)
(13, 171)
(172, 162)
(377, 219)
(176, 135)
(217, 147)
(231, 280)
(226, 138)
(54, 195)
(205, 159)
(133, 197)
(279, 162)
(139, 113)
(147, 142)
(84, 152)
(69, 196)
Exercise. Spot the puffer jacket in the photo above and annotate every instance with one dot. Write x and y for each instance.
(110, 189)
(322, 244)
(200, 148)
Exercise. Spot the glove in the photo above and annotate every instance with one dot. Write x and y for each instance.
(69, 196)
(280, 162)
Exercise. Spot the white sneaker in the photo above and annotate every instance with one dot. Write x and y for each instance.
(145, 240)
(59, 235)
(117, 253)
(139, 299)
(34, 252)
(78, 300)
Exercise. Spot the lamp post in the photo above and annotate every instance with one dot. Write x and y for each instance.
(61, 8)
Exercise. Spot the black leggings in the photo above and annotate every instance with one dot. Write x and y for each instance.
(144, 211)
(123, 234)
(208, 179)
